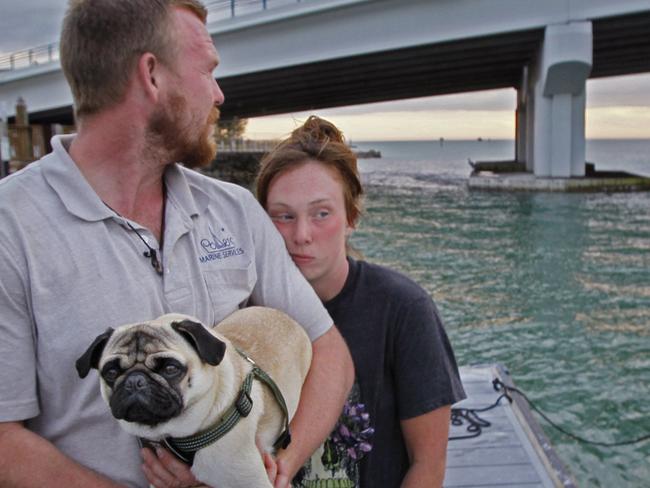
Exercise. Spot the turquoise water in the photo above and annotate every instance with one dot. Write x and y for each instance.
(554, 286)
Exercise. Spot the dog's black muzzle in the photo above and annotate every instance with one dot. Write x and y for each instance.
(140, 399)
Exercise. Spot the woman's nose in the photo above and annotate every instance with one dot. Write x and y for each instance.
(302, 234)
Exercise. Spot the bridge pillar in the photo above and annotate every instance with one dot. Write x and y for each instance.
(521, 121)
(554, 102)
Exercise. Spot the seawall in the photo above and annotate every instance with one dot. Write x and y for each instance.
(235, 167)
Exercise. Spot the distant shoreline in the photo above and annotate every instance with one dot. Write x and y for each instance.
(484, 140)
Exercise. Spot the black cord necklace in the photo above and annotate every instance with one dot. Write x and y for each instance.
(150, 253)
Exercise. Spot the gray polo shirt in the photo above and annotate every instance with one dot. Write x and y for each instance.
(70, 267)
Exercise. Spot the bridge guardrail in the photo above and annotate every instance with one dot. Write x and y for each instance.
(217, 10)
(30, 57)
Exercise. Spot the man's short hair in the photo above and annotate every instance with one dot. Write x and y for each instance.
(102, 41)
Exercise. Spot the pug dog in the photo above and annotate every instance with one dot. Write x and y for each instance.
(174, 377)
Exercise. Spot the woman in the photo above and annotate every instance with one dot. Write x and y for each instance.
(393, 430)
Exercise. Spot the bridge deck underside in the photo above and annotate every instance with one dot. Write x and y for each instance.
(451, 67)
(621, 46)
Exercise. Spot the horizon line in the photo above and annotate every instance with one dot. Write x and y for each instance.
(454, 139)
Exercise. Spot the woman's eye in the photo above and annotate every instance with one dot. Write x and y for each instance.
(322, 214)
(282, 217)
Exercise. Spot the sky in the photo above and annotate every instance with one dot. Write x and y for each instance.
(616, 107)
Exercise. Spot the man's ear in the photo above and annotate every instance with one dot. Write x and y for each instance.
(90, 359)
(209, 348)
(148, 76)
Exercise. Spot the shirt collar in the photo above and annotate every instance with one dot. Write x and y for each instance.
(80, 199)
(189, 198)
(65, 178)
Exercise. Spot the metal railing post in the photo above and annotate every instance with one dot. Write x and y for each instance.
(5, 151)
(28, 57)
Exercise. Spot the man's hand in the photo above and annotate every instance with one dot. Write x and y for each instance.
(271, 467)
(278, 471)
(284, 474)
(163, 470)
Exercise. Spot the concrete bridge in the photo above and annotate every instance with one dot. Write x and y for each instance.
(314, 54)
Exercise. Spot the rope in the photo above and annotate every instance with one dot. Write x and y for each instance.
(498, 384)
(476, 424)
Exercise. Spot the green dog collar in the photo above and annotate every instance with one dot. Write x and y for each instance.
(185, 448)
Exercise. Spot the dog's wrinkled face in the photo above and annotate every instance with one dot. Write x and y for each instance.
(144, 377)
(146, 369)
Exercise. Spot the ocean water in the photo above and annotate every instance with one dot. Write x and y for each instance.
(554, 286)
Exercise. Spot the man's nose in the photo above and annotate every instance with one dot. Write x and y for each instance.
(218, 95)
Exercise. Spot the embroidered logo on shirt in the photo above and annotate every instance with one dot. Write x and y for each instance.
(220, 246)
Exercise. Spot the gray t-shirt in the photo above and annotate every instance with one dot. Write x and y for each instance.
(70, 268)
(405, 367)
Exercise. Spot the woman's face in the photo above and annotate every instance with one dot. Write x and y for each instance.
(307, 206)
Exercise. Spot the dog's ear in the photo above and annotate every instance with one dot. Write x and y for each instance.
(209, 348)
(90, 359)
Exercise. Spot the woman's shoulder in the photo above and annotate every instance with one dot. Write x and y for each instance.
(388, 281)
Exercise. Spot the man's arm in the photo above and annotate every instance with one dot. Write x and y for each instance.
(323, 394)
(426, 442)
(28, 460)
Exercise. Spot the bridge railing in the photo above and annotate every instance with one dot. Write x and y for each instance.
(30, 57)
(217, 10)
(247, 145)
(221, 9)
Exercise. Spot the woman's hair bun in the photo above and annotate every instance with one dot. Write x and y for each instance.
(317, 130)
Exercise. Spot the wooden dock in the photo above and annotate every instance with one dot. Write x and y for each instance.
(512, 451)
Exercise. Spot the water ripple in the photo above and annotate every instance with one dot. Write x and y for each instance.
(555, 286)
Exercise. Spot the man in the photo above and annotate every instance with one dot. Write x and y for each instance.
(109, 230)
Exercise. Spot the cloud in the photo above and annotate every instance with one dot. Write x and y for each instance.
(619, 91)
(484, 100)
(608, 122)
(396, 125)
(30, 23)
(618, 123)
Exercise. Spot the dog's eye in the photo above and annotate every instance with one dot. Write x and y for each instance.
(171, 369)
(110, 374)
(168, 368)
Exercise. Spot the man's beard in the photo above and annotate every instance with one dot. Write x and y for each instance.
(185, 143)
